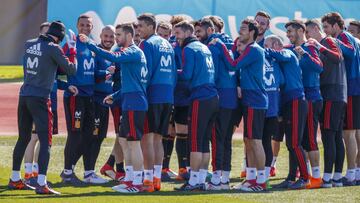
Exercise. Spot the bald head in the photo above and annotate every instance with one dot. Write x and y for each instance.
(108, 27)
(107, 36)
(273, 42)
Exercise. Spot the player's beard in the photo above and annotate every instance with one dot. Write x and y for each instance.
(106, 45)
(261, 34)
(203, 39)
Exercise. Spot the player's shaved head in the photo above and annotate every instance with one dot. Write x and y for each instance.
(108, 27)
(275, 41)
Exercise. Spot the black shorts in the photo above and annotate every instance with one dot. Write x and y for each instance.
(332, 116)
(159, 118)
(238, 114)
(132, 125)
(202, 114)
(309, 142)
(181, 114)
(101, 121)
(116, 113)
(352, 118)
(253, 122)
(279, 137)
(271, 127)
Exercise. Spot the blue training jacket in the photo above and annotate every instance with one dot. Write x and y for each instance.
(273, 80)
(226, 39)
(225, 79)
(160, 59)
(84, 79)
(134, 76)
(351, 51)
(102, 86)
(293, 87)
(181, 91)
(262, 42)
(311, 67)
(251, 66)
(198, 69)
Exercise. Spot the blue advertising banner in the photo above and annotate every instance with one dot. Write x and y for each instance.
(112, 12)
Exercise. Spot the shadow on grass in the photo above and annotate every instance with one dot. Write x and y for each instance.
(85, 185)
(3, 188)
(113, 193)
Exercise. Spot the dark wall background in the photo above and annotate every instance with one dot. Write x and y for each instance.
(19, 21)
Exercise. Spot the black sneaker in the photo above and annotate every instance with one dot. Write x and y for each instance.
(188, 187)
(283, 185)
(71, 179)
(347, 183)
(299, 184)
(358, 182)
(165, 177)
(46, 190)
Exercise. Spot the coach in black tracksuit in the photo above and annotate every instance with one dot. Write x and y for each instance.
(42, 59)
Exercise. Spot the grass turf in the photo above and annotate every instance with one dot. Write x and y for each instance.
(105, 194)
(11, 73)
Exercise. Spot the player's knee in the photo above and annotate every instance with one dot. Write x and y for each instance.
(34, 138)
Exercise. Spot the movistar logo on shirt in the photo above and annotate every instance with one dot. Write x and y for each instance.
(143, 73)
(35, 50)
(89, 66)
(210, 65)
(270, 80)
(97, 121)
(165, 63)
(269, 77)
(31, 64)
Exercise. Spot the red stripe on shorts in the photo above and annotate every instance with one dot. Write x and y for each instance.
(249, 124)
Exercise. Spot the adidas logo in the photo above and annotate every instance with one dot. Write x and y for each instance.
(35, 50)
(132, 189)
